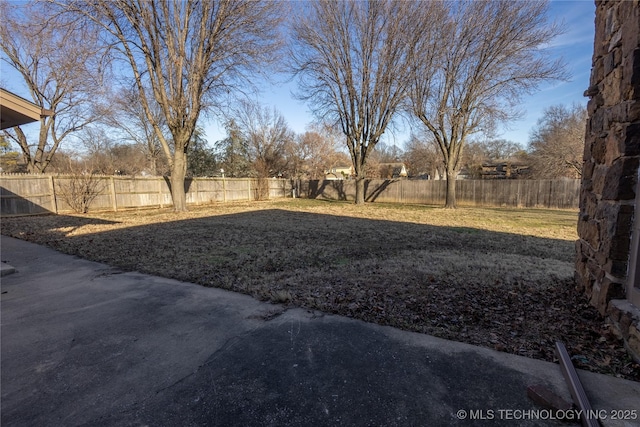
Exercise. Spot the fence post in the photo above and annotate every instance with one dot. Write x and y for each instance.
(160, 192)
(194, 185)
(224, 190)
(113, 194)
(249, 186)
(54, 202)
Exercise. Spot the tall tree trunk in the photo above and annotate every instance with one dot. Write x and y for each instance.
(153, 163)
(451, 190)
(178, 173)
(359, 189)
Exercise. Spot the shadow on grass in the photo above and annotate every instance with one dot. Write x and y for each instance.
(507, 291)
(299, 239)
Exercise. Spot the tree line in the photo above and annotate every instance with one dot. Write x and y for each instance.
(554, 151)
(130, 81)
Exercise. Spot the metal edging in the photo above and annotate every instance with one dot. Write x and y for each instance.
(575, 387)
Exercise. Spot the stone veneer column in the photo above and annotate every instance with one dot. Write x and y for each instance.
(611, 155)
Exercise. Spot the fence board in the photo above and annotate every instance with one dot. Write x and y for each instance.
(562, 194)
(23, 194)
(35, 194)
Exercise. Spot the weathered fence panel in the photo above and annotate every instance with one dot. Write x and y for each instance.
(38, 188)
(200, 191)
(561, 194)
(37, 194)
(23, 194)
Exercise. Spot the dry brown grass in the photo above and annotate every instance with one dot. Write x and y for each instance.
(494, 277)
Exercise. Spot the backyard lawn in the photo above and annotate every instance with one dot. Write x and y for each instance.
(500, 278)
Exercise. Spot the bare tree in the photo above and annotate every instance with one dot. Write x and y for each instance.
(104, 154)
(352, 58)
(315, 151)
(493, 53)
(423, 158)
(64, 162)
(61, 65)
(557, 143)
(97, 152)
(189, 53)
(384, 161)
(128, 114)
(500, 149)
(473, 157)
(387, 153)
(80, 189)
(266, 136)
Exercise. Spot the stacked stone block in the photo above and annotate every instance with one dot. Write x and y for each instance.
(611, 157)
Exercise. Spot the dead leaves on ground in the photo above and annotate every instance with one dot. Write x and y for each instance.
(504, 291)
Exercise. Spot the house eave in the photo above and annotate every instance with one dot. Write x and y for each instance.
(16, 111)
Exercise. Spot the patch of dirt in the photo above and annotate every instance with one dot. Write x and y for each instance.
(498, 278)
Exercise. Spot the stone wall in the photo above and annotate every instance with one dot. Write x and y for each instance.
(612, 154)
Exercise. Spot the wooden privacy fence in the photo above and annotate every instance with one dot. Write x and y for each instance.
(35, 194)
(23, 194)
(561, 194)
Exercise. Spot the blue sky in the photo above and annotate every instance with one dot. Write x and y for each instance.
(575, 46)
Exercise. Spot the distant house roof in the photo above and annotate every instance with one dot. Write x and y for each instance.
(504, 164)
(16, 111)
(338, 172)
(342, 168)
(504, 169)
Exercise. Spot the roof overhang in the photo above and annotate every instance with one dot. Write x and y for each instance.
(16, 111)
